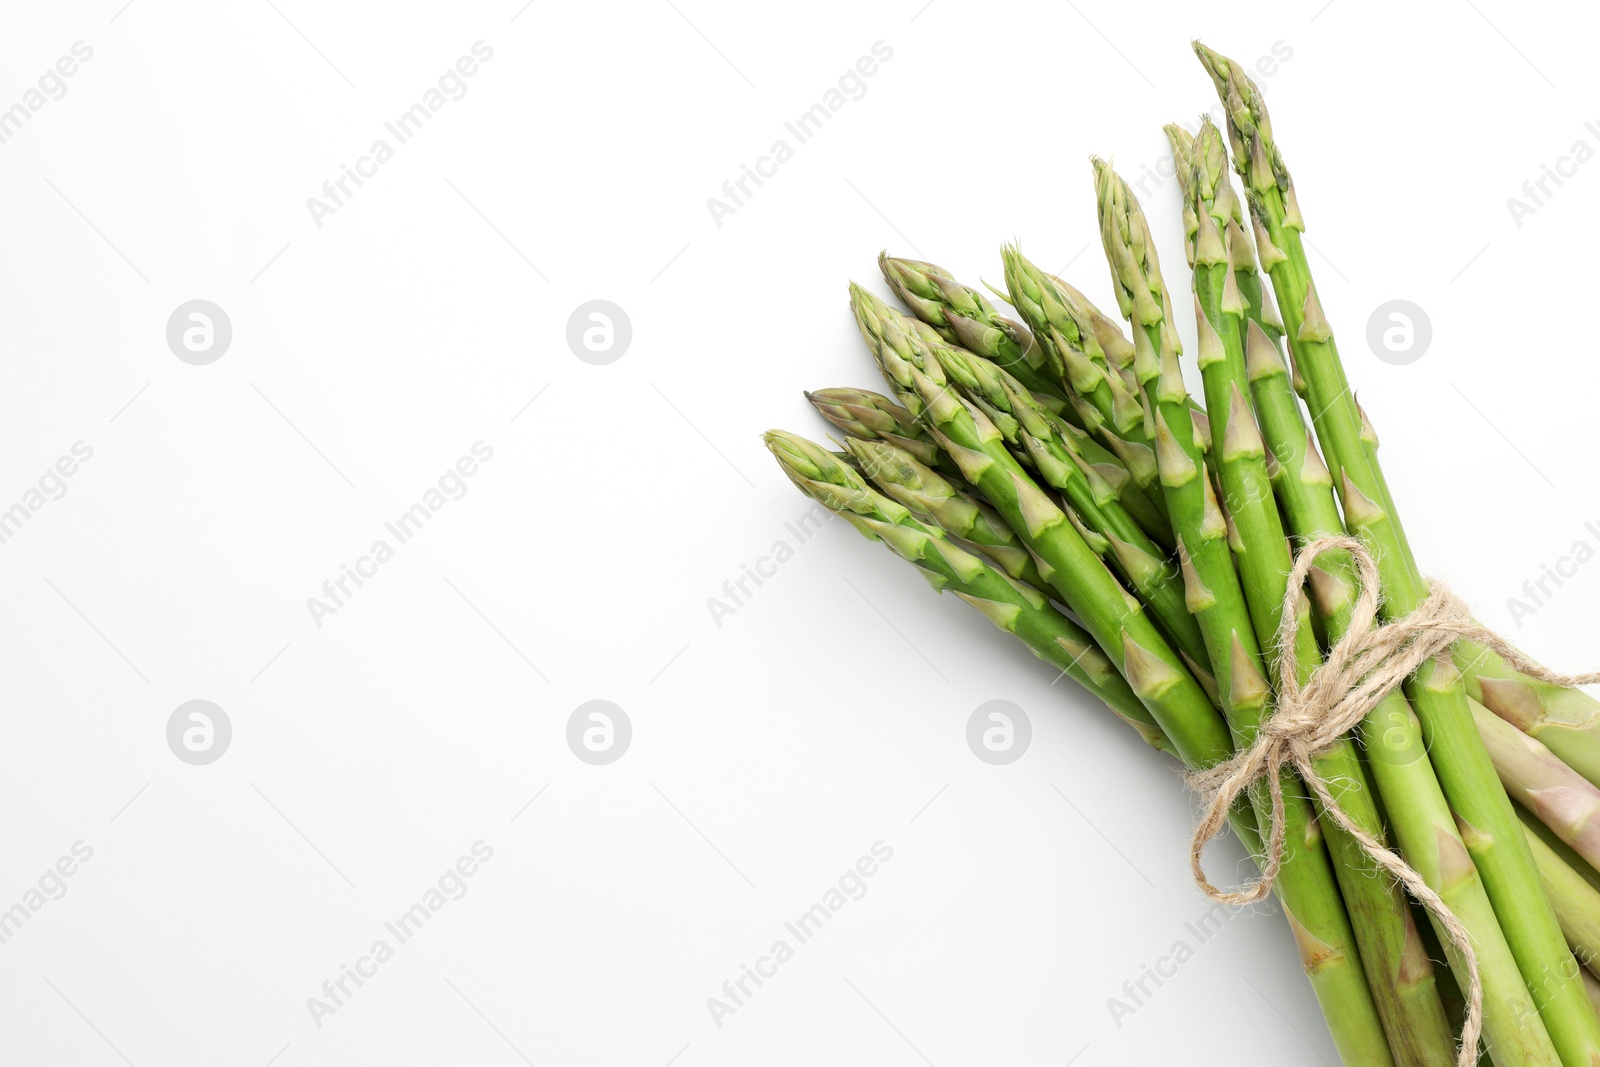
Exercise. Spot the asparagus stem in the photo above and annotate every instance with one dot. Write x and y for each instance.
(1398, 971)
(1437, 694)
(1310, 891)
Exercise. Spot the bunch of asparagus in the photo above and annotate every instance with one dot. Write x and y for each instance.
(1056, 475)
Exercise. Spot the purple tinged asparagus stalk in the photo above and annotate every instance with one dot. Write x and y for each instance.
(1566, 720)
(1560, 797)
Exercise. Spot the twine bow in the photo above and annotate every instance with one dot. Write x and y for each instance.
(1363, 667)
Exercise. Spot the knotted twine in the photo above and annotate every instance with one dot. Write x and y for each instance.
(1363, 667)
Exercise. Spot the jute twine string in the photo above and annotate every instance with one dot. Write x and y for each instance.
(1367, 663)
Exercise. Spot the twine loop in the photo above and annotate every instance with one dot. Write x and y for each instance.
(1362, 668)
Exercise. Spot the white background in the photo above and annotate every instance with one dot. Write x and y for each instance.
(828, 712)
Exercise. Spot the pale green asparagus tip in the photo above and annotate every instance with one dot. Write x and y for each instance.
(806, 460)
(878, 320)
(884, 463)
(863, 413)
(1211, 200)
(916, 275)
(1182, 142)
(872, 316)
(917, 285)
(1049, 308)
(872, 416)
(901, 346)
(1255, 152)
(1135, 270)
(930, 289)
(826, 478)
(1106, 331)
(961, 315)
(1023, 285)
(1239, 96)
(886, 337)
(1210, 174)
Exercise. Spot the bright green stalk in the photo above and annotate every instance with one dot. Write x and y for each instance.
(1148, 512)
(1260, 544)
(1037, 440)
(1309, 889)
(1396, 754)
(936, 502)
(1457, 752)
(1398, 971)
(1212, 587)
